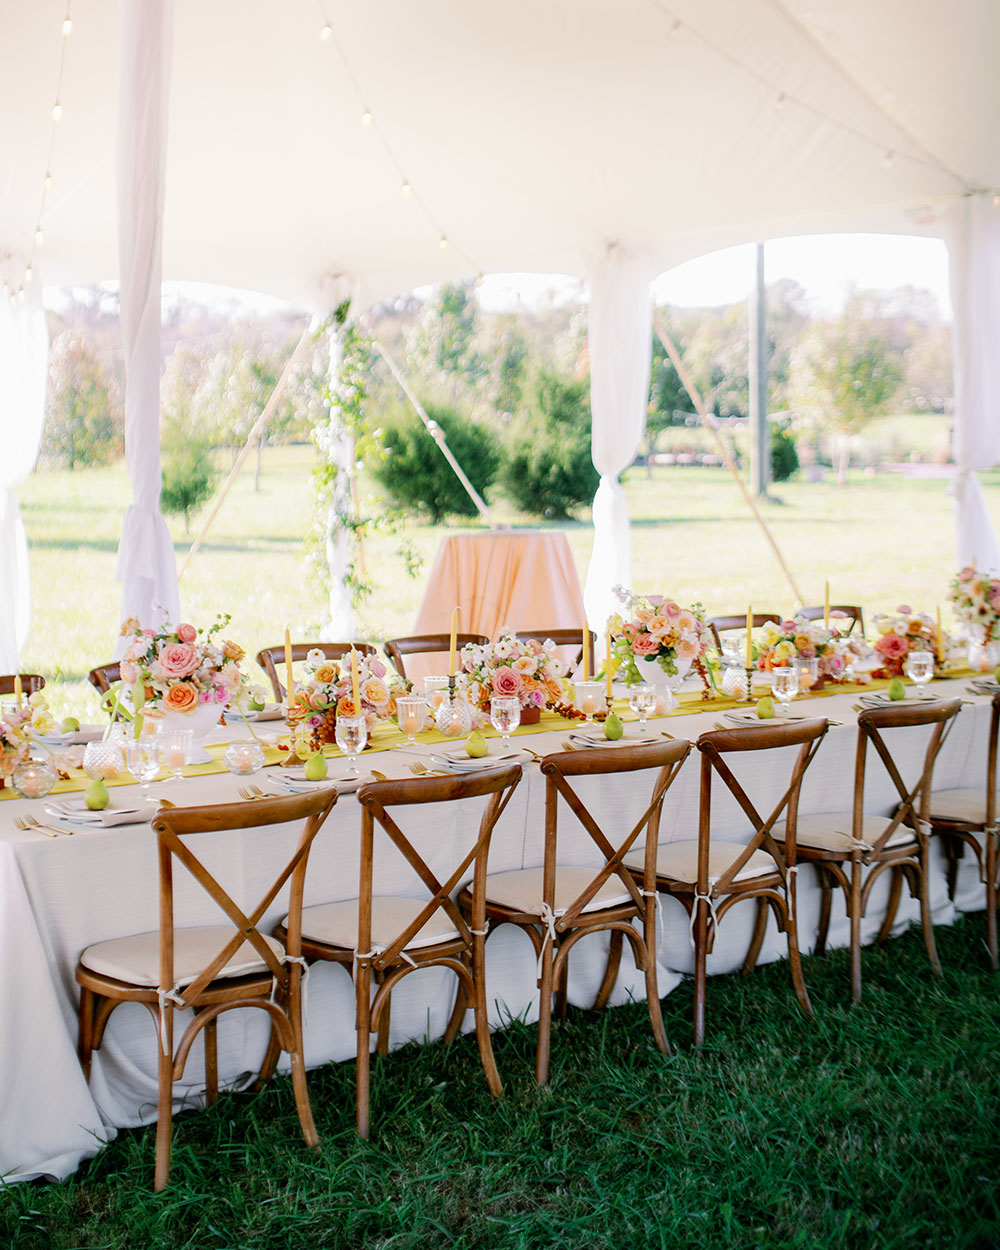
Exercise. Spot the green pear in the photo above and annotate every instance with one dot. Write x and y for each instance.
(70, 725)
(476, 746)
(896, 690)
(613, 728)
(256, 704)
(765, 708)
(96, 796)
(315, 766)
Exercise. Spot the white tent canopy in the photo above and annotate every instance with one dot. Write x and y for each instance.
(537, 135)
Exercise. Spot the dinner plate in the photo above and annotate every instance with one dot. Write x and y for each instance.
(76, 812)
(985, 685)
(751, 718)
(595, 738)
(881, 699)
(78, 737)
(295, 781)
(460, 762)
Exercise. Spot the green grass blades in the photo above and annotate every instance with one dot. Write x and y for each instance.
(870, 1126)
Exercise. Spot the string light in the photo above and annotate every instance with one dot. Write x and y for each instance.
(56, 111)
(39, 236)
(48, 182)
(443, 242)
(405, 189)
(67, 26)
(888, 158)
(326, 32)
(29, 273)
(996, 201)
(366, 118)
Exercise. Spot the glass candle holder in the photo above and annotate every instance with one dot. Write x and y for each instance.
(590, 698)
(103, 760)
(33, 779)
(642, 701)
(454, 717)
(733, 678)
(411, 713)
(175, 749)
(245, 757)
(435, 689)
(807, 668)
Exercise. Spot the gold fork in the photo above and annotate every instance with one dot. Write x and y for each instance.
(253, 792)
(29, 822)
(421, 770)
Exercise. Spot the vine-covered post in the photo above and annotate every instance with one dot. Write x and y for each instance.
(336, 441)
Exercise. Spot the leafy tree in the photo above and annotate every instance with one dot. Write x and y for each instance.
(843, 375)
(415, 473)
(188, 474)
(549, 468)
(84, 415)
(784, 455)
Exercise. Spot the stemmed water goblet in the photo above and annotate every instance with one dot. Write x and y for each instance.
(784, 687)
(919, 668)
(142, 758)
(642, 701)
(351, 735)
(505, 714)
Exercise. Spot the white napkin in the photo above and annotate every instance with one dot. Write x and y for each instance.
(270, 711)
(78, 813)
(461, 762)
(295, 783)
(596, 738)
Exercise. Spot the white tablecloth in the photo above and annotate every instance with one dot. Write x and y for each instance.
(59, 895)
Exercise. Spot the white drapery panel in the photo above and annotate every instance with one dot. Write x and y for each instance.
(973, 238)
(24, 346)
(337, 444)
(146, 562)
(620, 329)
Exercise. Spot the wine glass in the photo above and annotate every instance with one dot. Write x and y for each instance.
(175, 749)
(642, 701)
(919, 668)
(352, 734)
(505, 714)
(142, 756)
(411, 712)
(784, 687)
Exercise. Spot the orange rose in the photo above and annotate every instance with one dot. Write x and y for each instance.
(181, 697)
(233, 651)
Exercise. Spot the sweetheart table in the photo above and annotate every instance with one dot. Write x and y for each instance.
(58, 895)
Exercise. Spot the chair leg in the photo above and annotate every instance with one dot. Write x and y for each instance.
(459, 1010)
(757, 938)
(85, 1035)
(297, 1056)
(164, 1114)
(483, 1038)
(925, 912)
(544, 1013)
(892, 906)
(611, 969)
(270, 1060)
(562, 991)
(794, 959)
(954, 850)
(362, 992)
(992, 841)
(653, 988)
(825, 907)
(211, 1036)
(854, 916)
(700, 958)
(384, 1016)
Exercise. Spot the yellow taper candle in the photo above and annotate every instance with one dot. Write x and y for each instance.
(17, 688)
(826, 607)
(607, 662)
(586, 652)
(355, 693)
(749, 636)
(289, 679)
(940, 638)
(454, 639)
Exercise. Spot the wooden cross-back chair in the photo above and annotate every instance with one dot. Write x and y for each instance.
(968, 817)
(710, 875)
(31, 683)
(854, 848)
(850, 610)
(384, 938)
(564, 901)
(104, 676)
(426, 644)
(269, 658)
(719, 625)
(564, 638)
(209, 968)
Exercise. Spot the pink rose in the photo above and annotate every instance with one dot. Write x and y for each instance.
(178, 659)
(788, 627)
(892, 646)
(645, 644)
(128, 673)
(187, 633)
(904, 609)
(376, 667)
(506, 681)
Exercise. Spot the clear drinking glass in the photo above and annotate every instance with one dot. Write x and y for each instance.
(411, 713)
(589, 698)
(142, 756)
(919, 668)
(175, 749)
(505, 713)
(642, 701)
(784, 687)
(352, 734)
(807, 668)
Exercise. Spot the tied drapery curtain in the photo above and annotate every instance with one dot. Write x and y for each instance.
(620, 327)
(24, 346)
(146, 562)
(973, 239)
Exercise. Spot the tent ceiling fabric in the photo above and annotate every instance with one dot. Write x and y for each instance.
(532, 134)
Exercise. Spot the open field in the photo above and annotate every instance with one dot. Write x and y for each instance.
(883, 540)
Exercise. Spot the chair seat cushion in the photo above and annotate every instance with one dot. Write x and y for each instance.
(679, 861)
(968, 806)
(521, 890)
(336, 924)
(831, 831)
(136, 959)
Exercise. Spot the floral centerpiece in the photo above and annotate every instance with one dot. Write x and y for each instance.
(781, 644)
(975, 598)
(526, 668)
(657, 631)
(327, 692)
(901, 632)
(17, 730)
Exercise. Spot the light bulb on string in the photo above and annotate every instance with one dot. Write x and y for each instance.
(48, 181)
(326, 32)
(366, 118)
(888, 158)
(405, 189)
(29, 273)
(443, 242)
(56, 111)
(996, 201)
(67, 26)
(39, 236)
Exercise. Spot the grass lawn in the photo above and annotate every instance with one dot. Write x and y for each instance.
(881, 541)
(866, 1127)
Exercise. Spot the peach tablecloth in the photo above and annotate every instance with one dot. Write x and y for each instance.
(522, 579)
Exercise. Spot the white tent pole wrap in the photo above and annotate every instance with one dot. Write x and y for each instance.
(24, 349)
(973, 240)
(620, 347)
(146, 562)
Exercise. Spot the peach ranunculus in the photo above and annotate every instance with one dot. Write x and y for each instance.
(658, 624)
(687, 649)
(686, 621)
(671, 609)
(375, 691)
(506, 681)
(803, 642)
(180, 697)
(317, 700)
(187, 633)
(525, 665)
(233, 651)
(645, 645)
(326, 672)
(178, 659)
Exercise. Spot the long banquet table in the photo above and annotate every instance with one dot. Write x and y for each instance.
(59, 895)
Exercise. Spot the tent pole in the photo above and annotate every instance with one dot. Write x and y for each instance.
(435, 431)
(708, 420)
(259, 426)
